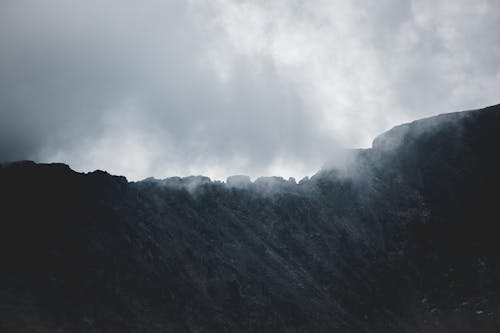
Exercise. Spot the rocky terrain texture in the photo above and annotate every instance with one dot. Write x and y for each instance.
(405, 238)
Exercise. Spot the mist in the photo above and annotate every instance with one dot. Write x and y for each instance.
(232, 87)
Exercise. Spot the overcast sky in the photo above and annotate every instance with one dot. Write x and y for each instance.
(221, 87)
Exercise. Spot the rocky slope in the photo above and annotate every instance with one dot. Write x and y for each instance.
(405, 239)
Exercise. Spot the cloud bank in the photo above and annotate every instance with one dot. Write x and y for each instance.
(162, 88)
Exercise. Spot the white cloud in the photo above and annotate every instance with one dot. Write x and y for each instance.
(232, 86)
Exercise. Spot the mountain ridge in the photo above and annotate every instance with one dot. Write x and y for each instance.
(403, 240)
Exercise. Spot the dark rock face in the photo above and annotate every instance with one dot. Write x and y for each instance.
(404, 240)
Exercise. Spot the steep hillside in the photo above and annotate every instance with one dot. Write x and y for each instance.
(404, 239)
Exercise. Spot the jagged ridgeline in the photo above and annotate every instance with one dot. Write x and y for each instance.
(404, 238)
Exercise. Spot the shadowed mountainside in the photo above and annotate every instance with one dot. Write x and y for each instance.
(405, 239)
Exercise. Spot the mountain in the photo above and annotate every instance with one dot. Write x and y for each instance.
(405, 238)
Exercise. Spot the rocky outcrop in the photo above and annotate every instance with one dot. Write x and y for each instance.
(404, 240)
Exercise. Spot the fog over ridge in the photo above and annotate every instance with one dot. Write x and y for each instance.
(232, 87)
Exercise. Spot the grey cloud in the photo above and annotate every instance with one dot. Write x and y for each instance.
(227, 87)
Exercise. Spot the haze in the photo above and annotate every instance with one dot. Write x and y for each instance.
(163, 88)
